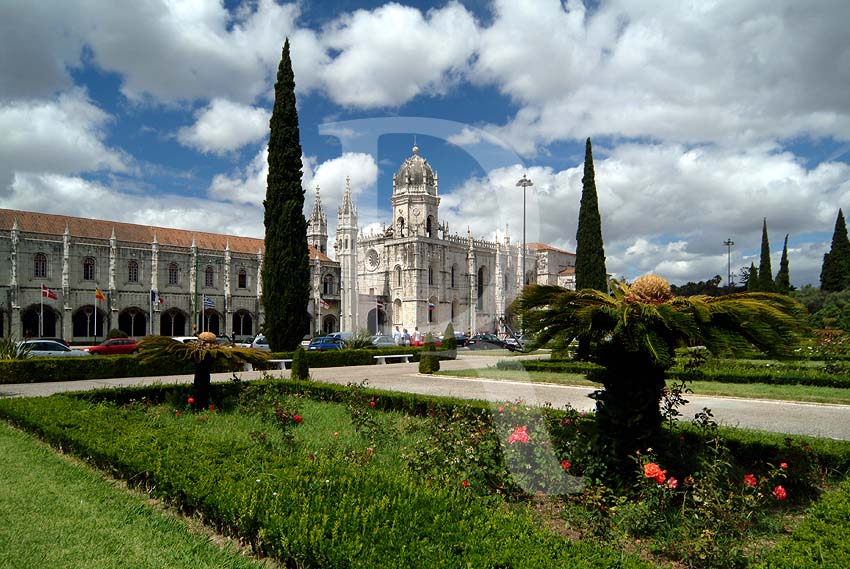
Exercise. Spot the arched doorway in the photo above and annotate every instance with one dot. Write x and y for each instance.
(482, 284)
(397, 312)
(376, 321)
(243, 324)
(133, 322)
(33, 324)
(2, 323)
(88, 323)
(212, 321)
(172, 323)
(433, 310)
(328, 325)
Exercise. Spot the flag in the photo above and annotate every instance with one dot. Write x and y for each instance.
(46, 292)
(379, 303)
(324, 303)
(431, 306)
(208, 302)
(156, 297)
(98, 294)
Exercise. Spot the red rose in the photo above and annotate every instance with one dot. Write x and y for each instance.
(783, 465)
(565, 464)
(212, 407)
(749, 480)
(779, 493)
(191, 401)
(297, 418)
(465, 483)
(371, 403)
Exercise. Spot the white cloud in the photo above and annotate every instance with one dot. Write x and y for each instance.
(392, 54)
(62, 135)
(224, 126)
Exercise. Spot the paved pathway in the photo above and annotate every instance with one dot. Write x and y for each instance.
(821, 420)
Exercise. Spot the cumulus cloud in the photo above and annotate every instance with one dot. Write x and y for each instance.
(224, 126)
(72, 195)
(60, 135)
(390, 55)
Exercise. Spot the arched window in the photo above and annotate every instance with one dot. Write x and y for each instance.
(430, 275)
(428, 226)
(209, 273)
(398, 276)
(453, 275)
(40, 266)
(172, 274)
(401, 227)
(242, 279)
(482, 282)
(132, 272)
(328, 285)
(88, 269)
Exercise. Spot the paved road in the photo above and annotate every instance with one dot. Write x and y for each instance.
(821, 420)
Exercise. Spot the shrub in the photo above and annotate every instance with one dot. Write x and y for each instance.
(115, 333)
(360, 341)
(449, 343)
(10, 349)
(429, 361)
(300, 365)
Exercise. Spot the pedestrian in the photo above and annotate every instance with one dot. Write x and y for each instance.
(417, 337)
(397, 336)
(406, 337)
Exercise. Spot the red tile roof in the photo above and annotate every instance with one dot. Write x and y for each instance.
(544, 247)
(50, 224)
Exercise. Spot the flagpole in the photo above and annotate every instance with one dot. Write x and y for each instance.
(41, 315)
(96, 302)
(150, 314)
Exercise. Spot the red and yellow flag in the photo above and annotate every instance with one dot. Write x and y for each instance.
(98, 294)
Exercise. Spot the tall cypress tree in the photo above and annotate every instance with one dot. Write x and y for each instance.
(783, 277)
(286, 268)
(753, 280)
(835, 271)
(765, 281)
(590, 251)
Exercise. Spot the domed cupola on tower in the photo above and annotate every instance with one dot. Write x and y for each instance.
(415, 198)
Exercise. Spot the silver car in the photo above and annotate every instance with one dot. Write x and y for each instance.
(261, 343)
(40, 348)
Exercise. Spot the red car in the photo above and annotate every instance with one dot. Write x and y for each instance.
(421, 343)
(115, 346)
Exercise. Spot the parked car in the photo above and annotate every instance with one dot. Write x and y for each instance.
(420, 343)
(115, 346)
(40, 348)
(461, 339)
(485, 342)
(223, 339)
(261, 343)
(341, 336)
(245, 344)
(383, 341)
(184, 339)
(516, 344)
(323, 343)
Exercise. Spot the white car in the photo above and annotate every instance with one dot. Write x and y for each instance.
(184, 339)
(261, 343)
(39, 348)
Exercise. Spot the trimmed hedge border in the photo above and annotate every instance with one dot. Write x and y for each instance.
(44, 370)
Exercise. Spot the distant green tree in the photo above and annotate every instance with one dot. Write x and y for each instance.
(765, 277)
(783, 277)
(835, 271)
(711, 287)
(286, 269)
(753, 279)
(590, 250)
(449, 340)
(429, 360)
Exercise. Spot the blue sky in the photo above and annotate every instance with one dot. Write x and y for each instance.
(705, 118)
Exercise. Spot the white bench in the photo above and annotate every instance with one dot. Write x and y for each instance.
(275, 364)
(405, 358)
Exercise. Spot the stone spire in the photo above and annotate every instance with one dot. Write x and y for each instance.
(317, 225)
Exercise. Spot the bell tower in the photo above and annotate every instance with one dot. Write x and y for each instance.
(415, 199)
(317, 226)
(346, 254)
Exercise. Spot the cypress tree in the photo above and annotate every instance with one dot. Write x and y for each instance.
(765, 280)
(783, 277)
(835, 271)
(286, 269)
(590, 251)
(753, 280)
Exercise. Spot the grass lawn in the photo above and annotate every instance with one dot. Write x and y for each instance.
(57, 514)
(813, 394)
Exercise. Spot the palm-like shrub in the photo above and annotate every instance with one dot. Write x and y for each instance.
(11, 349)
(637, 329)
(360, 341)
(204, 352)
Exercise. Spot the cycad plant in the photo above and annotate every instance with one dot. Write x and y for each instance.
(11, 349)
(636, 331)
(205, 353)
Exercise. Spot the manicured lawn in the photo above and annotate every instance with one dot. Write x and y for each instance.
(61, 515)
(814, 394)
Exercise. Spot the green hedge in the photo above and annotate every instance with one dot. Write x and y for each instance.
(552, 365)
(305, 513)
(38, 370)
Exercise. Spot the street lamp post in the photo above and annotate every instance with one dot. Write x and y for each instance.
(729, 243)
(525, 183)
